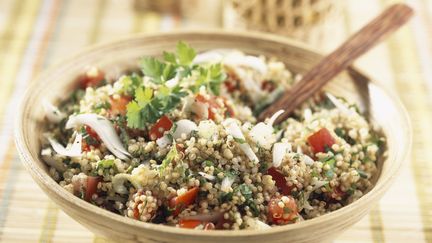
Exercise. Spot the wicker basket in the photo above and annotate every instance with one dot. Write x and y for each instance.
(300, 19)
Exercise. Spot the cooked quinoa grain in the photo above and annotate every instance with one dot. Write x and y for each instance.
(177, 143)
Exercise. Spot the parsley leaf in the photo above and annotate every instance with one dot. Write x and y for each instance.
(170, 157)
(185, 54)
(159, 72)
(148, 108)
(211, 77)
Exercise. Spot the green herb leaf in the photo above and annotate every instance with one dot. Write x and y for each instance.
(185, 54)
(170, 157)
(239, 140)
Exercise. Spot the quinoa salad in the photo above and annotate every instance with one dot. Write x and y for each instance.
(177, 142)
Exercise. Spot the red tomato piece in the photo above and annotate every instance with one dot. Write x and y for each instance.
(92, 182)
(212, 105)
(321, 140)
(158, 129)
(118, 106)
(91, 132)
(189, 223)
(280, 180)
(282, 215)
(179, 203)
(91, 78)
(136, 213)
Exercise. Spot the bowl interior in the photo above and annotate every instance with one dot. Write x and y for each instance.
(56, 83)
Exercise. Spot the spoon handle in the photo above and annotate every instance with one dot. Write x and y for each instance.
(374, 32)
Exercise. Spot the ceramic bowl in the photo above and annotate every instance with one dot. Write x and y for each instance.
(56, 83)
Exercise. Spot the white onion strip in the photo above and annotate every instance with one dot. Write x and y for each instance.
(207, 176)
(342, 107)
(279, 152)
(52, 113)
(234, 130)
(72, 150)
(104, 129)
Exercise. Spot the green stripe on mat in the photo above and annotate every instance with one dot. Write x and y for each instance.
(410, 84)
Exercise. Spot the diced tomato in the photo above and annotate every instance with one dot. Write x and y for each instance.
(91, 132)
(268, 85)
(280, 180)
(282, 215)
(189, 223)
(136, 213)
(179, 203)
(91, 78)
(321, 140)
(158, 129)
(212, 104)
(92, 182)
(85, 147)
(232, 82)
(118, 106)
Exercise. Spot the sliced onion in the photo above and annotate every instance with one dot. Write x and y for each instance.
(208, 57)
(319, 184)
(53, 160)
(307, 114)
(173, 82)
(234, 130)
(72, 150)
(239, 59)
(263, 133)
(274, 117)
(227, 183)
(206, 217)
(163, 141)
(207, 129)
(279, 152)
(184, 126)
(308, 160)
(342, 107)
(52, 113)
(299, 150)
(207, 176)
(104, 129)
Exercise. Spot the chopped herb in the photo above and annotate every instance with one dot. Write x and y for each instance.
(225, 197)
(147, 108)
(161, 215)
(263, 167)
(210, 77)
(170, 157)
(363, 174)
(207, 163)
(245, 191)
(240, 140)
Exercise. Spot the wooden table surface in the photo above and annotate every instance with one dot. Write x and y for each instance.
(34, 34)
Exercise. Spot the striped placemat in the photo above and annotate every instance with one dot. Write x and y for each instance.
(36, 33)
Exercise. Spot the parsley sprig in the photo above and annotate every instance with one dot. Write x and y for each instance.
(149, 105)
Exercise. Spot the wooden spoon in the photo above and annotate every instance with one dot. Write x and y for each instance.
(374, 32)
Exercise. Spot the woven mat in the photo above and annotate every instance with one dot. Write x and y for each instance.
(36, 33)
